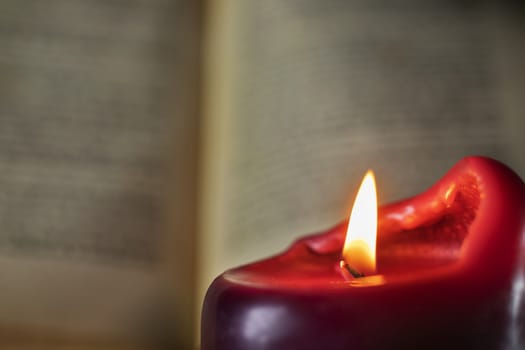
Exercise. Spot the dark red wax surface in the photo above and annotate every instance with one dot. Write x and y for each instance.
(450, 268)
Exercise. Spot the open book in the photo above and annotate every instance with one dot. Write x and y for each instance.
(146, 146)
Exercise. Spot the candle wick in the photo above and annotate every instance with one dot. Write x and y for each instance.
(353, 272)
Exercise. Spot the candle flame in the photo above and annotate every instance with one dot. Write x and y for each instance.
(359, 250)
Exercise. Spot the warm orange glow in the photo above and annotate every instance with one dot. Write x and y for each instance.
(359, 250)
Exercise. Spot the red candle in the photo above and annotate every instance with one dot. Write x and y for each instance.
(449, 274)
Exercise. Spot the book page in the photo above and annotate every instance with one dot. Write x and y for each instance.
(308, 95)
(98, 128)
